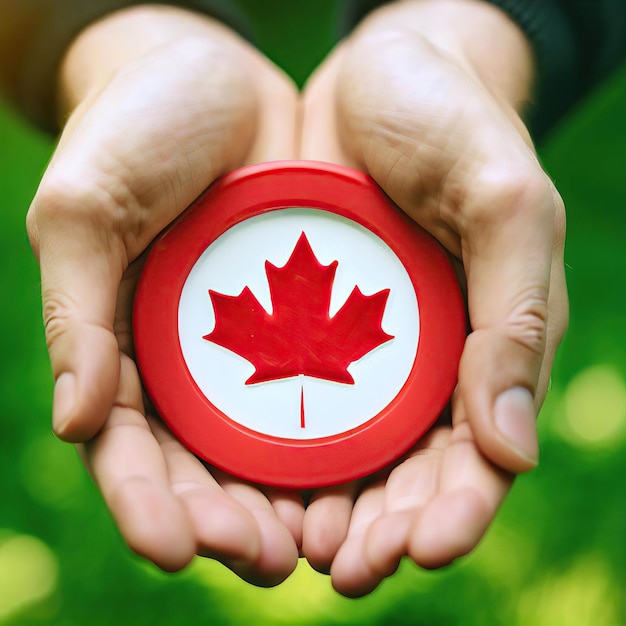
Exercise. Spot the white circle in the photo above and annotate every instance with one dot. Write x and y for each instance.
(236, 260)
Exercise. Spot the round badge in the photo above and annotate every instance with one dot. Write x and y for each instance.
(294, 328)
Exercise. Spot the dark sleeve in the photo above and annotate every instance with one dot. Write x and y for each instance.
(34, 35)
(576, 44)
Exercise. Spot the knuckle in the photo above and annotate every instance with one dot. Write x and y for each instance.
(74, 199)
(58, 312)
(508, 191)
(91, 208)
(527, 322)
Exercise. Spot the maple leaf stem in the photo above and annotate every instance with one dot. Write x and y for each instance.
(302, 422)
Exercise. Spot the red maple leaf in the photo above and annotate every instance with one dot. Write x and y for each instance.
(299, 336)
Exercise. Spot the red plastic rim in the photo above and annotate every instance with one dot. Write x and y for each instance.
(222, 440)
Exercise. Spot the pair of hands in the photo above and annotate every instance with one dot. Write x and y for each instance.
(156, 120)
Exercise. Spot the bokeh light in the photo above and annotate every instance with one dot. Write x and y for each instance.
(594, 409)
(584, 593)
(28, 572)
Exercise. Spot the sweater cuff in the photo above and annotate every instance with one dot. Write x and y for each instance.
(553, 40)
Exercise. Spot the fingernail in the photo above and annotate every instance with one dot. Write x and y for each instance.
(515, 417)
(63, 403)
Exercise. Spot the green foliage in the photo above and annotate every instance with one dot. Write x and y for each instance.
(557, 552)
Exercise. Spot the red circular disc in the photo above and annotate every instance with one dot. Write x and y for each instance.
(294, 328)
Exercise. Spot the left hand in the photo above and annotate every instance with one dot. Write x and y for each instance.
(433, 119)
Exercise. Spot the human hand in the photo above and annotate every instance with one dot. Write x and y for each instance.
(155, 118)
(258, 548)
(425, 98)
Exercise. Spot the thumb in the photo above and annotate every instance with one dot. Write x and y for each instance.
(81, 267)
(517, 301)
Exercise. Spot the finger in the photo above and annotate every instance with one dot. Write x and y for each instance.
(223, 528)
(325, 524)
(469, 493)
(278, 554)
(350, 572)
(79, 289)
(289, 508)
(509, 255)
(128, 466)
(410, 487)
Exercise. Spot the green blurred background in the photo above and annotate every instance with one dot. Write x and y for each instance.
(556, 555)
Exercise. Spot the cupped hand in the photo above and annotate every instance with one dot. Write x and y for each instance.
(444, 143)
(189, 102)
(411, 104)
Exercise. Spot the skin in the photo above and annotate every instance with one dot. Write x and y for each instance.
(426, 97)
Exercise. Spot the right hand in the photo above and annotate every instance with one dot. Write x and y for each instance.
(144, 139)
